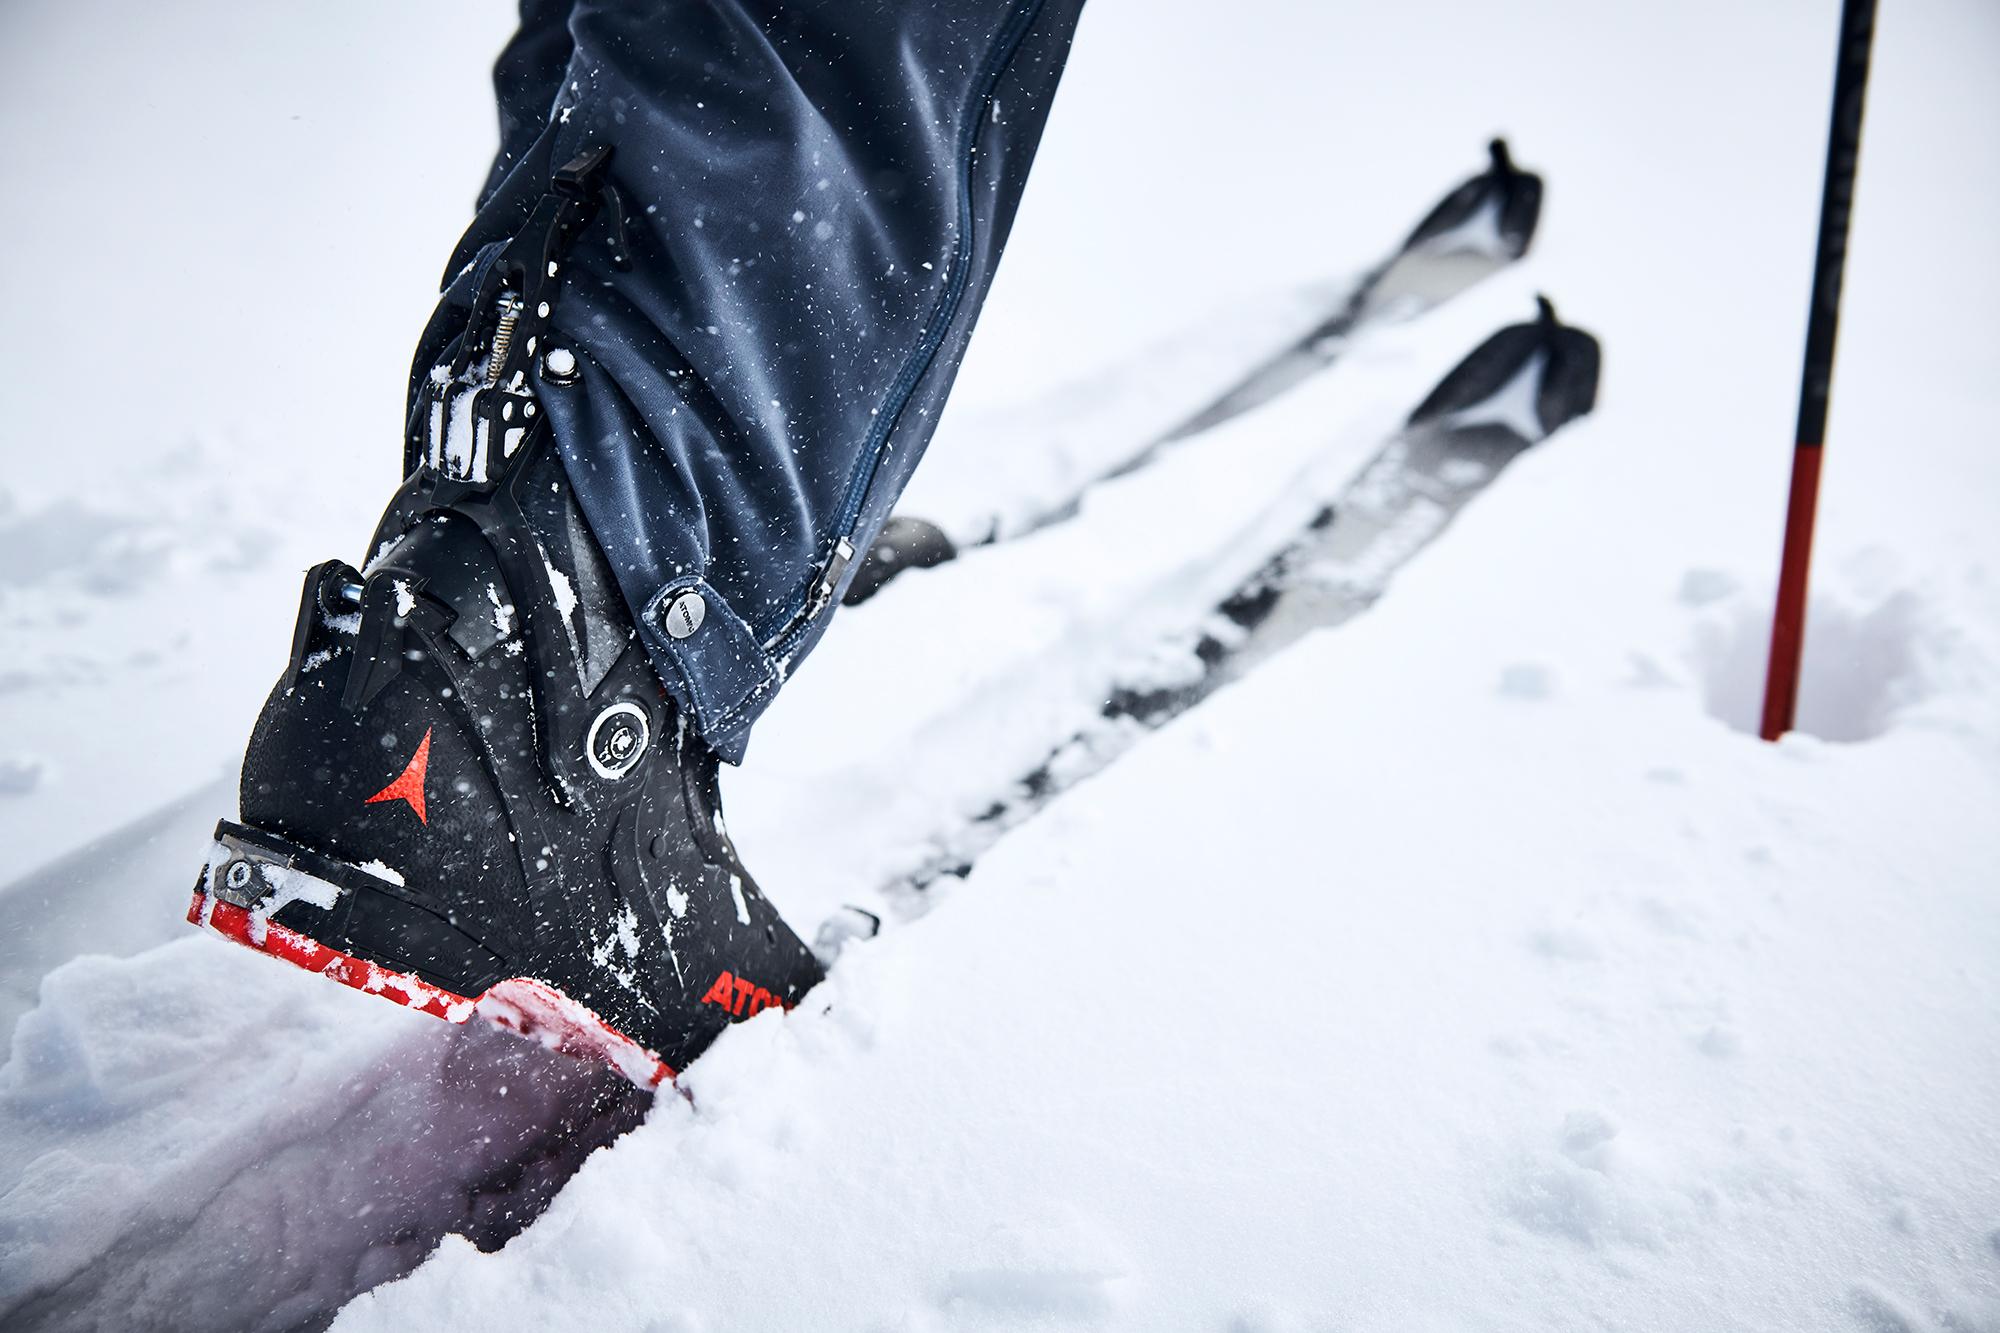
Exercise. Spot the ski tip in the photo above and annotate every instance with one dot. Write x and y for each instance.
(1529, 380)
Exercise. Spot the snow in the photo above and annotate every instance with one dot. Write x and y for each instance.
(1184, 1081)
(559, 584)
(1467, 967)
(503, 612)
(382, 870)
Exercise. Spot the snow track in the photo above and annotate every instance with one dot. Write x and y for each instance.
(174, 1162)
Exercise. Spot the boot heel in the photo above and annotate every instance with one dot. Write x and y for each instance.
(337, 919)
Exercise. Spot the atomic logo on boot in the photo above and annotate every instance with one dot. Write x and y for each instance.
(741, 996)
(409, 784)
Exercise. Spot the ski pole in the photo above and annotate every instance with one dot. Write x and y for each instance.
(1836, 202)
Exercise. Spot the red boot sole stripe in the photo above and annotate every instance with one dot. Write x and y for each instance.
(521, 1005)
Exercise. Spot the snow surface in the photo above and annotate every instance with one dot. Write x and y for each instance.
(1469, 967)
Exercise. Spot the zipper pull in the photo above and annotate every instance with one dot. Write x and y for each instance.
(829, 580)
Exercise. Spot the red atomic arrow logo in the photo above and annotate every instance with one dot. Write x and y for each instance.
(409, 784)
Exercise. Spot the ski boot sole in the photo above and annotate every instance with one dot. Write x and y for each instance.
(250, 876)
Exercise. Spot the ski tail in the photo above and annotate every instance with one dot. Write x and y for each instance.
(1496, 211)
(1549, 368)
(1512, 391)
(1482, 226)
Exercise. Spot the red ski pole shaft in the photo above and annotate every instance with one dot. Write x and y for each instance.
(1836, 202)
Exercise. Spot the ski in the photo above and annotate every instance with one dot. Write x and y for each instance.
(1476, 230)
(1514, 390)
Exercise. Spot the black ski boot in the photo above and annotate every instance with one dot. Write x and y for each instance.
(469, 792)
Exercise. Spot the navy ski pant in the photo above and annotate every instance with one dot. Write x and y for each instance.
(817, 193)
